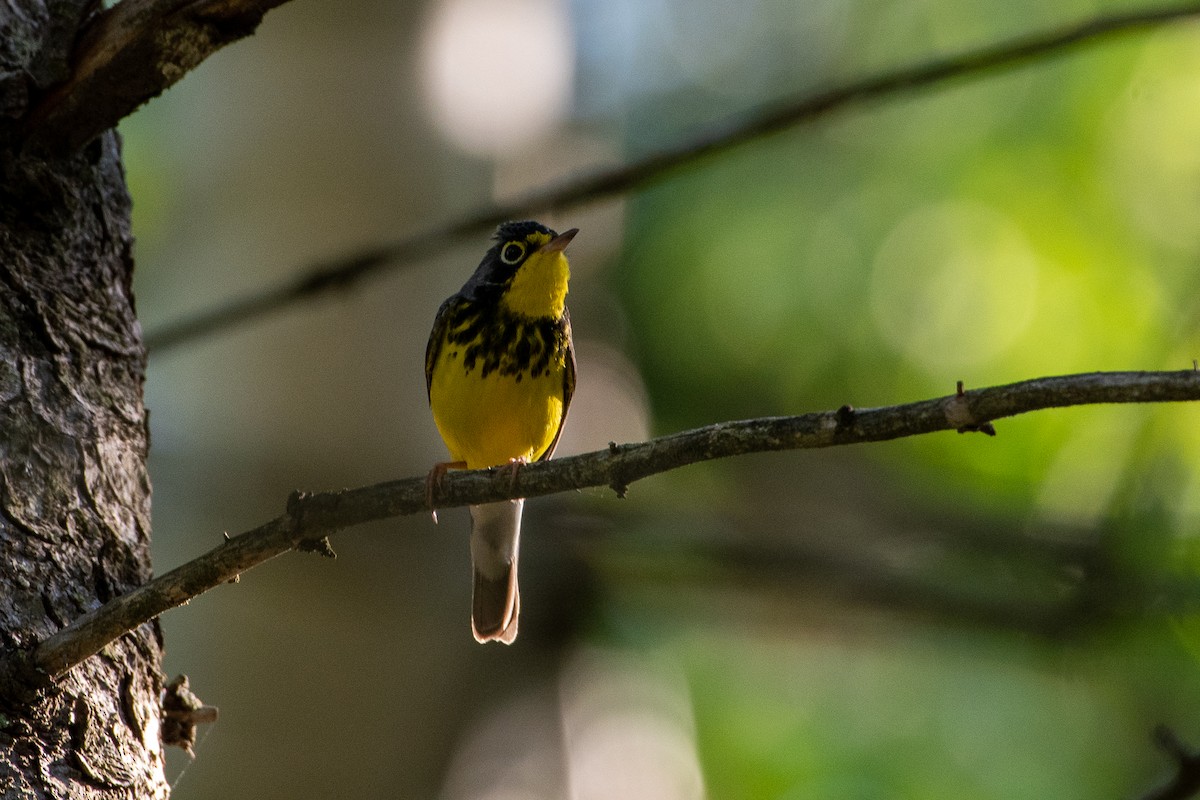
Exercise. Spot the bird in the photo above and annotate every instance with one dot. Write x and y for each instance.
(500, 375)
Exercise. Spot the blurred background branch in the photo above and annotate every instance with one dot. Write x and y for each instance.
(342, 273)
(1185, 782)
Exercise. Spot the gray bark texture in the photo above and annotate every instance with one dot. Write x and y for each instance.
(74, 492)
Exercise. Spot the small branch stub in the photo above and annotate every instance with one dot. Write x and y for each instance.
(295, 503)
(619, 486)
(182, 712)
(319, 546)
(844, 417)
(982, 427)
(959, 414)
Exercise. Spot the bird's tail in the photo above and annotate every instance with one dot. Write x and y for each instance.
(495, 599)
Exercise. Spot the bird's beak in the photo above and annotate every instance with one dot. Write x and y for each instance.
(559, 243)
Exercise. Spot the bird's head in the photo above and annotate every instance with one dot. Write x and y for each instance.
(526, 269)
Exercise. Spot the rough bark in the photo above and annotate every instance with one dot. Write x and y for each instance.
(74, 492)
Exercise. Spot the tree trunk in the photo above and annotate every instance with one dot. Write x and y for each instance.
(74, 492)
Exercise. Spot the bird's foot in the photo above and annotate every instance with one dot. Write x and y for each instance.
(433, 482)
(514, 466)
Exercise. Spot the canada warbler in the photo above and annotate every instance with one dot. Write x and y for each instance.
(500, 372)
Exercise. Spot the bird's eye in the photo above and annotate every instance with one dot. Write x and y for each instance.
(512, 252)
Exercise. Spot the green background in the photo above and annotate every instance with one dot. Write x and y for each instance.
(941, 617)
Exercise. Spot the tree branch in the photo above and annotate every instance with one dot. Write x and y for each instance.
(343, 273)
(311, 517)
(131, 53)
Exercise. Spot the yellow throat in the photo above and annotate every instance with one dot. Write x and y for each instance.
(539, 289)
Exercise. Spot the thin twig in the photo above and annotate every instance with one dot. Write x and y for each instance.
(342, 273)
(311, 517)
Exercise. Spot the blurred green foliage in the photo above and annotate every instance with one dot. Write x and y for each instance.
(941, 617)
(989, 232)
(1041, 221)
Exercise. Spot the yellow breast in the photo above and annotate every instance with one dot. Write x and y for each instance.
(488, 420)
(498, 386)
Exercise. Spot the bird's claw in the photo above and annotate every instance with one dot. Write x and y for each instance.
(433, 482)
(514, 466)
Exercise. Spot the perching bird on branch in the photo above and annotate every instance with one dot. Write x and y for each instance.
(500, 372)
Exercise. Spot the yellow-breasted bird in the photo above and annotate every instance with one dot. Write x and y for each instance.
(500, 372)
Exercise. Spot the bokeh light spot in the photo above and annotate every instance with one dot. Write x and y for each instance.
(497, 74)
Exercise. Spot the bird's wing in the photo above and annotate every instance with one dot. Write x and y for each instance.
(436, 338)
(568, 386)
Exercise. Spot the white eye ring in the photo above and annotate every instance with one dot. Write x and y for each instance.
(512, 252)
